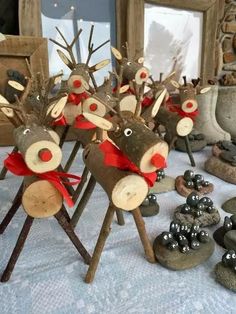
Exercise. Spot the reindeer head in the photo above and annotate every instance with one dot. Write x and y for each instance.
(132, 70)
(188, 92)
(35, 140)
(81, 73)
(129, 132)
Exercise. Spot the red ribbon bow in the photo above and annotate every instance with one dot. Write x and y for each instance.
(77, 98)
(60, 121)
(16, 164)
(176, 108)
(115, 158)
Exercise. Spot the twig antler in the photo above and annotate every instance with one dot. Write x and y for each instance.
(139, 91)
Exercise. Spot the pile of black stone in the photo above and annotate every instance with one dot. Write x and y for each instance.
(225, 236)
(194, 181)
(160, 175)
(183, 238)
(229, 259)
(196, 207)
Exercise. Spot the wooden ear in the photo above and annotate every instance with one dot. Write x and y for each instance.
(205, 90)
(174, 83)
(128, 103)
(116, 53)
(158, 103)
(100, 122)
(58, 107)
(99, 65)
(58, 78)
(16, 85)
(65, 59)
(169, 77)
(7, 111)
(124, 88)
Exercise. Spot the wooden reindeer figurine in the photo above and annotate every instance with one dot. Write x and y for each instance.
(42, 191)
(126, 170)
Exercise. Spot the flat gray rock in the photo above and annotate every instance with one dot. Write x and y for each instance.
(149, 210)
(165, 185)
(230, 240)
(225, 276)
(218, 236)
(203, 221)
(176, 260)
(230, 206)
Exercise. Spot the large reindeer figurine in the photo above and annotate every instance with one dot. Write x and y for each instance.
(43, 189)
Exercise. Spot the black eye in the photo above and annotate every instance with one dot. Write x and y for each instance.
(128, 132)
(26, 131)
(129, 63)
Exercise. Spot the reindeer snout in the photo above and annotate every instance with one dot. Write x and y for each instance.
(158, 161)
(143, 75)
(93, 107)
(45, 155)
(77, 83)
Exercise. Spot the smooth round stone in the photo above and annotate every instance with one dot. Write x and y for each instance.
(230, 206)
(221, 169)
(218, 236)
(196, 145)
(225, 276)
(176, 260)
(149, 210)
(204, 220)
(165, 185)
(185, 191)
(230, 240)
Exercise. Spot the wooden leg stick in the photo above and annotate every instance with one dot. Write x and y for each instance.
(17, 249)
(65, 213)
(189, 151)
(69, 188)
(72, 156)
(72, 236)
(79, 188)
(4, 169)
(12, 211)
(120, 217)
(143, 235)
(105, 230)
(64, 134)
(83, 201)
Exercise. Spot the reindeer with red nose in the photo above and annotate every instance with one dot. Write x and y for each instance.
(125, 166)
(43, 189)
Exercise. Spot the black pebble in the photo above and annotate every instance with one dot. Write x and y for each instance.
(188, 175)
(192, 199)
(227, 224)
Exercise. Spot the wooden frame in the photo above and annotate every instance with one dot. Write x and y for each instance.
(13, 52)
(130, 16)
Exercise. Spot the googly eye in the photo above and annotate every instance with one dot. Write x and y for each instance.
(129, 63)
(228, 256)
(128, 132)
(170, 236)
(233, 255)
(165, 237)
(26, 131)
(37, 97)
(108, 97)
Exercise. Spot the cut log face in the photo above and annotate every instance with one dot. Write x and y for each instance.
(135, 71)
(124, 189)
(71, 111)
(31, 141)
(41, 199)
(190, 105)
(184, 126)
(139, 144)
(188, 98)
(58, 107)
(93, 105)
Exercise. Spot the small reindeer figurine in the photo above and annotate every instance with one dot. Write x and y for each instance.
(42, 191)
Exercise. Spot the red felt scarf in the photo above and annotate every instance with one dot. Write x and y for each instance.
(82, 123)
(115, 158)
(16, 164)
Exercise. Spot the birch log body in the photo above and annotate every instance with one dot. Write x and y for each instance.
(173, 123)
(139, 144)
(124, 189)
(40, 198)
(31, 142)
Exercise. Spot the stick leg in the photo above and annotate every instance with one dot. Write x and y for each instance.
(120, 217)
(105, 230)
(4, 169)
(72, 156)
(83, 202)
(189, 151)
(78, 190)
(143, 235)
(72, 236)
(69, 188)
(64, 134)
(12, 211)
(17, 249)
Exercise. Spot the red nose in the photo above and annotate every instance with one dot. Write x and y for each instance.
(143, 75)
(45, 155)
(77, 83)
(93, 107)
(189, 105)
(158, 161)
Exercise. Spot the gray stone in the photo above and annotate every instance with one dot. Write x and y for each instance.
(221, 169)
(165, 185)
(225, 276)
(230, 240)
(218, 236)
(196, 145)
(230, 206)
(204, 220)
(176, 260)
(149, 210)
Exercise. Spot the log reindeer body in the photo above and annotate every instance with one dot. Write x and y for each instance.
(42, 191)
